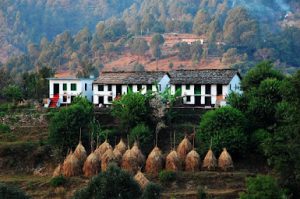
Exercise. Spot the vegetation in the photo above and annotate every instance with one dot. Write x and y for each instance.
(167, 176)
(114, 183)
(66, 124)
(262, 187)
(11, 192)
(58, 181)
(228, 132)
(152, 191)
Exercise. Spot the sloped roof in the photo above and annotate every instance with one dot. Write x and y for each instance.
(205, 76)
(144, 77)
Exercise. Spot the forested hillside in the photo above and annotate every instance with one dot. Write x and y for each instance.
(84, 35)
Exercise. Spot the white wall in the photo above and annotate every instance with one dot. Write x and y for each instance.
(235, 85)
(164, 83)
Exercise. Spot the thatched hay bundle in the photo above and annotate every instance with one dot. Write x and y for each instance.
(154, 162)
(183, 148)
(102, 149)
(118, 156)
(107, 158)
(138, 153)
(71, 166)
(173, 162)
(130, 162)
(121, 146)
(141, 179)
(57, 171)
(192, 161)
(80, 153)
(210, 161)
(91, 166)
(225, 161)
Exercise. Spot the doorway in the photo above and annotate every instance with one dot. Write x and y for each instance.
(101, 100)
(56, 89)
(198, 100)
(207, 101)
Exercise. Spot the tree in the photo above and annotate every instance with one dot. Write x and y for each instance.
(225, 127)
(139, 47)
(152, 191)
(131, 109)
(262, 187)
(157, 40)
(143, 135)
(196, 51)
(114, 184)
(201, 22)
(184, 51)
(65, 125)
(12, 93)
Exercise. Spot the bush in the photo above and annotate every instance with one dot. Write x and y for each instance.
(201, 194)
(4, 128)
(262, 187)
(58, 181)
(225, 127)
(152, 191)
(142, 133)
(167, 176)
(114, 184)
(10, 192)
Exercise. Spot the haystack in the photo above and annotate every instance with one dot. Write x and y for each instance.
(57, 171)
(173, 162)
(141, 179)
(107, 158)
(102, 149)
(121, 146)
(138, 153)
(183, 148)
(91, 166)
(130, 162)
(210, 161)
(192, 161)
(71, 166)
(225, 162)
(118, 156)
(154, 163)
(80, 153)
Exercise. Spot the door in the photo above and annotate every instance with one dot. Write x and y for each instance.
(207, 101)
(56, 89)
(101, 100)
(198, 100)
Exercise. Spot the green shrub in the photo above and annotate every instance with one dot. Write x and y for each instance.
(201, 194)
(142, 133)
(152, 191)
(10, 192)
(262, 187)
(4, 128)
(114, 184)
(58, 181)
(2, 113)
(225, 127)
(167, 176)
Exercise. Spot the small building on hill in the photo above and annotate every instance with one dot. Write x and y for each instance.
(63, 90)
(205, 88)
(111, 85)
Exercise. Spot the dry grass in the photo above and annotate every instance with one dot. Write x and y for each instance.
(183, 148)
(107, 158)
(154, 163)
(80, 153)
(102, 149)
(130, 162)
(71, 166)
(57, 171)
(225, 161)
(173, 162)
(118, 156)
(121, 146)
(92, 165)
(139, 155)
(210, 161)
(141, 179)
(192, 161)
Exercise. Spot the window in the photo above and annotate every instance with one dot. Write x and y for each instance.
(219, 89)
(159, 87)
(65, 98)
(100, 88)
(65, 87)
(139, 87)
(109, 87)
(207, 89)
(188, 98)
(149, 87)
(110, 99)
(73, 87)
(85, 86)
(187, 87)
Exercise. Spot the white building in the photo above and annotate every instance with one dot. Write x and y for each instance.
(62, 91)
(205, 88)
(113, 84)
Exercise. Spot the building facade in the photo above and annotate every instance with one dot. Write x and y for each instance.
(110, 85)
(205, 88)
(62, 91)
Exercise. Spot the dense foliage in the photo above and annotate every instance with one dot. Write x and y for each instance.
(114, 183)
(152, 191)
(9, 192)
(223, 128)
(262, 187)
(65, 125)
